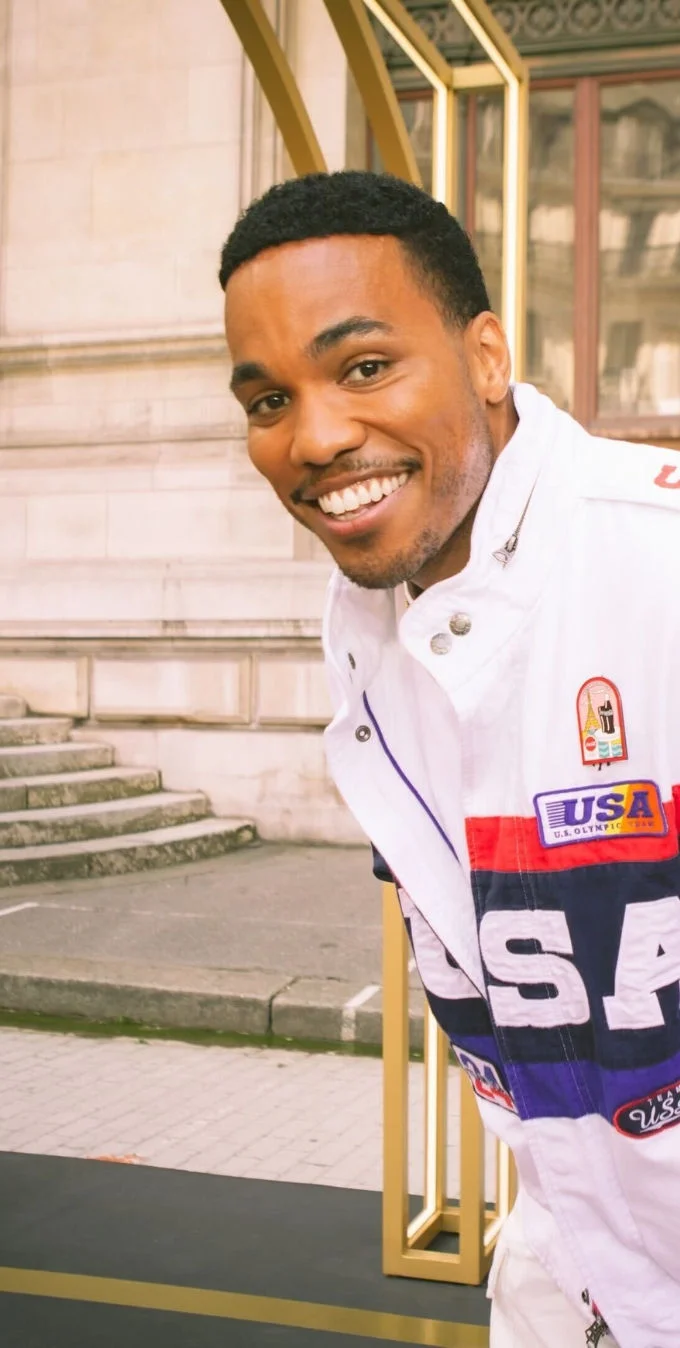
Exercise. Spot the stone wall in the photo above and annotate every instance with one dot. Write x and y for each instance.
(150, 583)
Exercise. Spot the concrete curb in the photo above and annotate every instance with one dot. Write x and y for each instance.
(236, 1001)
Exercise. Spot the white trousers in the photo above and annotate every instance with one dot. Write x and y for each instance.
(528, 1310)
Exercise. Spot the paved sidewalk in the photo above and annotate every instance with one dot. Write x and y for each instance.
(275, 939)
(276, 1114)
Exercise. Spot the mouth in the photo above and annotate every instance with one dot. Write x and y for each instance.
(361, 505)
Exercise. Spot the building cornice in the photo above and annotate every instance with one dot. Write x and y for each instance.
(31, 355)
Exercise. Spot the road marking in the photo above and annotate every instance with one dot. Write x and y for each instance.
(261, 1310)
(349, 1011)
(18, 908)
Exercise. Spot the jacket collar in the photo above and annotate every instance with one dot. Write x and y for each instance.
(538, 459)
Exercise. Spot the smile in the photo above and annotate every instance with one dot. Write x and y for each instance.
(356, 498)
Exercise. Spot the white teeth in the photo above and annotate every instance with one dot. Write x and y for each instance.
(361, 494)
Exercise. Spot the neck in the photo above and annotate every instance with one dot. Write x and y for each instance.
(455, 554)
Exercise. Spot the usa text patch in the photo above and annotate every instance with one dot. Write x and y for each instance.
(652, 1114)
(579, 814)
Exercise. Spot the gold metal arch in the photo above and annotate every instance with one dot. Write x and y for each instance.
(368, 67)
(263, 49)
(427, 58)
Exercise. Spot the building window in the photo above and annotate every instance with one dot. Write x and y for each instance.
(603, 294)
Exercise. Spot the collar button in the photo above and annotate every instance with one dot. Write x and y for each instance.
(460, 624)
(441, 643)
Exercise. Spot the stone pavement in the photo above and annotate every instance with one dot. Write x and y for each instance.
(274, 940)
(276, 1114)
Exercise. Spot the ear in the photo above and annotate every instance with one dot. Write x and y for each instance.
(488, 358)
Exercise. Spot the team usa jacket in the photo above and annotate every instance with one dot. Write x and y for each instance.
(510, 743)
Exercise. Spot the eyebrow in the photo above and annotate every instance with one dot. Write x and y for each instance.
(356, 326)
(248, 371)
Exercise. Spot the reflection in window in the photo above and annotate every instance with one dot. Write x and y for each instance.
(639, 356)
(550, 278)
(416, 110)
(487, 129)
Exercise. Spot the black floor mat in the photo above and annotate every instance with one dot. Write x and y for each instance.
(305, 1243)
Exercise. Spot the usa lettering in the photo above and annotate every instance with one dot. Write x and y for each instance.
(648, 961)
(607, 809)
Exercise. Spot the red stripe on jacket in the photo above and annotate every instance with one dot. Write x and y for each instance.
(513, 844)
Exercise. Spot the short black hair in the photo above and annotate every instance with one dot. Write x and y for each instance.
(321, 205)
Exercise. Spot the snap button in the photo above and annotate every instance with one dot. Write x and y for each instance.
(352, 661)
(460, 624)
(441, 643)
(363, 733)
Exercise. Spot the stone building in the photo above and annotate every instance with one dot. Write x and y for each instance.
(150, 584)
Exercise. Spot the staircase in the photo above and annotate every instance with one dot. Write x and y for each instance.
(68, 812)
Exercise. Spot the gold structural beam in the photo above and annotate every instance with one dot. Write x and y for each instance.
(427, 58)
(407, 1251)
(514, 74)
(277, 81)
(367, 65)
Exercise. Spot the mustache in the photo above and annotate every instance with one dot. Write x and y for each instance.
(362, 468)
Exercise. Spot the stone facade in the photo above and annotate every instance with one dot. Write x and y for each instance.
(150, 584)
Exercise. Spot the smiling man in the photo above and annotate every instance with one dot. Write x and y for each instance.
(502, 636)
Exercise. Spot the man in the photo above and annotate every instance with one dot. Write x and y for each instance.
(503, 640)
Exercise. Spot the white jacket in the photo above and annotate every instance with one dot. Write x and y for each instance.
(542, 889)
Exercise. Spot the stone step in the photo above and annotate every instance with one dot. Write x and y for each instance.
(11, 707)
(77, 788)
(106, 819)
(34, 730)
(130, 852)
(46, 759)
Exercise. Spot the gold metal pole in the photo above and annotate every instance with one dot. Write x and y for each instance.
(395, 1081)
(514, 73)
(500, 49)
(264, 52)
(366, 62)
(515, 212)
(435, 1069)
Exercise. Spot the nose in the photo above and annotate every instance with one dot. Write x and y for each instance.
(323, 429)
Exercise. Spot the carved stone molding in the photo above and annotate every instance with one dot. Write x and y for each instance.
(25, 354)
(546, 27)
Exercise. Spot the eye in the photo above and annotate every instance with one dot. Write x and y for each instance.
(365, 371)
(268, 405)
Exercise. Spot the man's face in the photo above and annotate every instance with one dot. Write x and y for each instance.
(367, 412)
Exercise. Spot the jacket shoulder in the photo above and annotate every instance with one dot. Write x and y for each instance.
(615, 470)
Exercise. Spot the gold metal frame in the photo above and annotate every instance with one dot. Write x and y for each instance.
(397, 21)
(263, 49)
(406, 1241)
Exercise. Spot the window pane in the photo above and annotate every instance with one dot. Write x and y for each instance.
(486, 111)
(550, 290)
(639, 356)
(417, 114)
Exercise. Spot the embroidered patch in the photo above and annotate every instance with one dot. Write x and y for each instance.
(485, 1079)
(652, 1114)
(600, 722)
(580, 814)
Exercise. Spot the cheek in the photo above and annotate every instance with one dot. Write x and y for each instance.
(268, 455)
